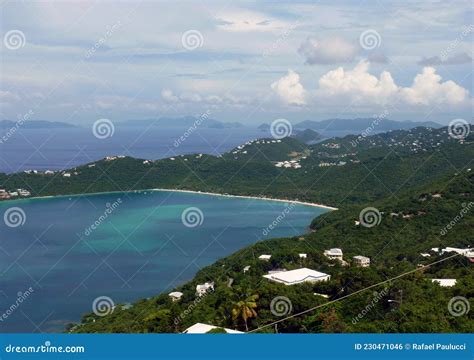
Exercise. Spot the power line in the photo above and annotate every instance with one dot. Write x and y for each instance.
(349, 295)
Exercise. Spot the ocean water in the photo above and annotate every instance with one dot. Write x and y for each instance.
(55, 149)
(71, 250)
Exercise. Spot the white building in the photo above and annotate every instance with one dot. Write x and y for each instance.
(23, 192)
(298, 276)
(445, 282)
(175, 295)
(335, 254)
(247, 268)
(303, 256)
(202, 289)
(361, 261)
(200, 328)
(265, 257)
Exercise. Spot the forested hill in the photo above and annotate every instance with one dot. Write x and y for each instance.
(407, 227)
(336, 172)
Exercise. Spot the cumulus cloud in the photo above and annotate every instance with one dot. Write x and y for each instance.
(427, 89)
(289, 89)
(462, 58)
(327, 51)
(358, 86)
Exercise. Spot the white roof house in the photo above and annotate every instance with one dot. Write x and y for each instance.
(298, 276)
(303, 256)
(201, 289)
(200, 328)
(444, 282)
(362, 261)
(334, 253)
(456, 250)
(175, 295)
(265, 257)
(247, 268)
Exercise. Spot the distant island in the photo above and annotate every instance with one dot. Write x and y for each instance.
(36, 124)
(361, 124)
(307, 136)
(186, 121)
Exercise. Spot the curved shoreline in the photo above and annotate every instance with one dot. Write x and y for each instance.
(176, 190)
(250, 197)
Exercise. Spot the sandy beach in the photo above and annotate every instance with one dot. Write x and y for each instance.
(250, 197)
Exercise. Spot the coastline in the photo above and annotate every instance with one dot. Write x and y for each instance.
(250, 197)
(177, 190)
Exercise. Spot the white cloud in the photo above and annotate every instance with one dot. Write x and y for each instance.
(7, 97)
(289, 89)
(357, 85)
(327, 51)
(167, 95)
(427, 89)
(360, 87)
(245, 20)
(461, 58)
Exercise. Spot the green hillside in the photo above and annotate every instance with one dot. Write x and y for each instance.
(394, 247)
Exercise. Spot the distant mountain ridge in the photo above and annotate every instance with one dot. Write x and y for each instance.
(361, 124)
(186, 121)
(35, 124)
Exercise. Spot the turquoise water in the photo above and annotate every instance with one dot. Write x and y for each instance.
(127, 246)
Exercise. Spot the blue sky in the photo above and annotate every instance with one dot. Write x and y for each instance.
(240, 61)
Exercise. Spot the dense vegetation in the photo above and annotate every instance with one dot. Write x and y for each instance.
(394, 246)
(422, 175)
(377, 166)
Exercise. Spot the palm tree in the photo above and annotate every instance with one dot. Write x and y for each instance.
(245, 309)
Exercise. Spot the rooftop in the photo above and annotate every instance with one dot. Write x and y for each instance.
(297, 276)
(200, 328)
